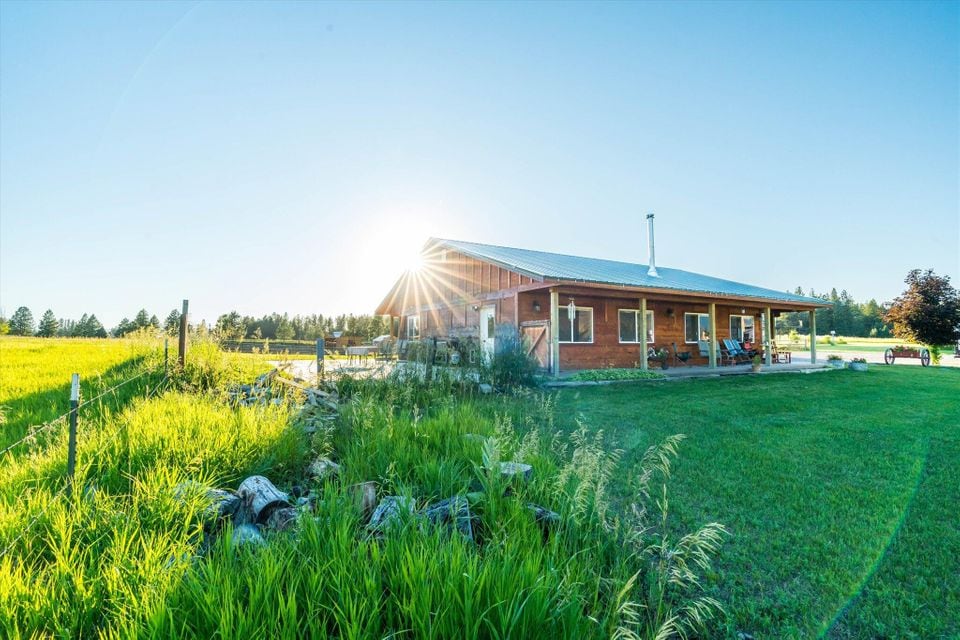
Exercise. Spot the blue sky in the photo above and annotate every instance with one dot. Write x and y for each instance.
(290, 157)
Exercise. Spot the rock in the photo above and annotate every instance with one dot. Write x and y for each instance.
(475, 437)
(512, 470)
(390, 513)
(543, 515)
(365, 494)
(282, 519)
(223, 504)
(323, 468)
(452, 512)
(486, 388)
(247, 534)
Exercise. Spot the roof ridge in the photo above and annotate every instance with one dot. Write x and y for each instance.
(551, 253)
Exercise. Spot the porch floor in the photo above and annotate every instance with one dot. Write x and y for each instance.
(700, 371)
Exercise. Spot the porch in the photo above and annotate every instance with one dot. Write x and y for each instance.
(695, 371)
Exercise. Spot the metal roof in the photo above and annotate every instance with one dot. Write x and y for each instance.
(556, 266)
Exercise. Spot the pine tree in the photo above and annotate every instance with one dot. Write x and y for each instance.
(124, 328)
(142, 319)
(48, 325)
(172, 324)
(21, 322)
(94, 329)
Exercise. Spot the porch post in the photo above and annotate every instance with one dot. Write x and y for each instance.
(713, 335)
(768, 346)
(555, 332)
(642, 330)
(813, 336)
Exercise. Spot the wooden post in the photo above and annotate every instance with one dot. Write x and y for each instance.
(72, 438)
(166, 355)
(320, 349)
(181, 357)
(431, 356)
(555, 332)
(813, 336)
(713, 335)
(642, 330)
(768, 345)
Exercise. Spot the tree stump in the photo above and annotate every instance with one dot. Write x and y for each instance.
(260, 497)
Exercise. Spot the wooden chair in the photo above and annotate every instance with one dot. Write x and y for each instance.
(681, 357)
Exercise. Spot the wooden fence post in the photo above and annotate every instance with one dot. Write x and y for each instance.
(320, 350)
(183, 333)
(72, 441)
(166, 355)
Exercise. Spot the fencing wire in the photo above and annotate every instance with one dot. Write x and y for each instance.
(51, 423)
(63, 490)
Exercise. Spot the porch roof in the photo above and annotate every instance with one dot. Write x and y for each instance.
(545, 266)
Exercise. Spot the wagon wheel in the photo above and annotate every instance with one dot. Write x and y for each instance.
(925, 357)
(888, 356)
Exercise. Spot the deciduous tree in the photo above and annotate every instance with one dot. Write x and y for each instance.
(928, 312)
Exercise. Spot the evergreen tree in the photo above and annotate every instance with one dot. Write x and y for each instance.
(142, 319)
(172, 324)
(21, 322)
(48, 325)
(124, 328)
(155, 322)
(94, 329)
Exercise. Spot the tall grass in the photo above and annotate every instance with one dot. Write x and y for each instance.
(128, 552)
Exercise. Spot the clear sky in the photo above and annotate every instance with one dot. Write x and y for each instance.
(291, 157)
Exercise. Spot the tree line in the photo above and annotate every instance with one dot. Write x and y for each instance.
(276, 326)
(230, 326)
(845, 316)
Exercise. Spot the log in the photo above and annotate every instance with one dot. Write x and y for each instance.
(260, 497)
(365, 494)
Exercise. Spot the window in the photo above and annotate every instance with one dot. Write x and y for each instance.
(741, 328)
(630, 326)
(578, 328)
(696, 327)
(413, 327)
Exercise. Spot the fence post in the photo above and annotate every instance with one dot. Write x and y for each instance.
(183, 333)
(72, 441)
(166, 355)
(319, 359)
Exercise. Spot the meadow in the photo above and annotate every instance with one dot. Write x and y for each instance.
(837, 492)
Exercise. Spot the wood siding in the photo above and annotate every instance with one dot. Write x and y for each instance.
(448, 287)
(606, 350)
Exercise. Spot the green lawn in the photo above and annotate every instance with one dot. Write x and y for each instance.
(841, 490)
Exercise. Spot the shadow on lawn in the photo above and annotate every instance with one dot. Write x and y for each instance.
(35, 409)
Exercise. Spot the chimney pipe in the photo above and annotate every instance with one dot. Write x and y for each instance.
(652, 269)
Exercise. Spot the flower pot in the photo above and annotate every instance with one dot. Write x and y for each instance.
(836, 364)
(756, 367)
(858, 366)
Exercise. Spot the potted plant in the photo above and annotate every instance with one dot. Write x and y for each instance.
(659, 355)
(835, 361)
(757, 363)
(858, 364)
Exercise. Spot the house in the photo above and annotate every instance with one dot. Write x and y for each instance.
(579, 313)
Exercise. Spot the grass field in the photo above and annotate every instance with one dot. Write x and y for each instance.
(841, 490)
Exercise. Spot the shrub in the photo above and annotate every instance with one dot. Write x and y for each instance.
(596, 375)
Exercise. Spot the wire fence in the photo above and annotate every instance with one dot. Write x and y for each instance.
(162, 384)
(62, 418)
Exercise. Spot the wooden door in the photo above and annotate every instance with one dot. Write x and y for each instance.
(536, 341)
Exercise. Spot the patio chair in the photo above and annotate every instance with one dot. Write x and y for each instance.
(734, 352)
(703, 349)
(681, 357)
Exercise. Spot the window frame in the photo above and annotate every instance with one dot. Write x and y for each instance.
(699, 326)
(416, 323)
(564, 318)
(742, 317)
(636, 326)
